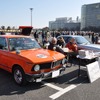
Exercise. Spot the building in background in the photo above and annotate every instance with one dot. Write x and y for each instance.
(64, 23)
(90, 15)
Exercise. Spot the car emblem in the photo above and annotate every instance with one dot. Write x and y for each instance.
(41, 56)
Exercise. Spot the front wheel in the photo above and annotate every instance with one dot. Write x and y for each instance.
(19, 76)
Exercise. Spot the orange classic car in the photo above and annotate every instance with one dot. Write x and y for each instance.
(27, 61)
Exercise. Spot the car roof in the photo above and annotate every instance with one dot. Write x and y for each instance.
(13, 36)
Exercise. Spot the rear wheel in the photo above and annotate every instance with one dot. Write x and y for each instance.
(19, 76)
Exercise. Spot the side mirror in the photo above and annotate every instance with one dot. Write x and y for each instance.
(17, 51)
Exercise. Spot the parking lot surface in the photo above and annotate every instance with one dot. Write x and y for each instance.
(66, 87)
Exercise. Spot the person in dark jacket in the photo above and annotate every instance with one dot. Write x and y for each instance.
(93, 38)
(53, 46)
(96, 39)
(61, 42)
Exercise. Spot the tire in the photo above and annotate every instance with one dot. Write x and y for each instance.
(19, 76)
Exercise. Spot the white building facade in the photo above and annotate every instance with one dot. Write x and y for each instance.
(62, 23)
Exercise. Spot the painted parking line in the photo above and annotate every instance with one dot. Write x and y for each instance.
(56, 87)
(61, 92)
(52, 86)
(65, 90)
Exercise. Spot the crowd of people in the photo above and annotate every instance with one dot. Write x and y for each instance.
(45, 36)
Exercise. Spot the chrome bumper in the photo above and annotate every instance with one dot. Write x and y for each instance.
(43, 76)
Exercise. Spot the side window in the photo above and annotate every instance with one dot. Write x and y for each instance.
(3, 43)
(66, 39)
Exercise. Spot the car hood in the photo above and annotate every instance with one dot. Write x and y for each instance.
(41, 55)
(94, 47)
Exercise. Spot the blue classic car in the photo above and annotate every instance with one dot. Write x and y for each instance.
(82, 42)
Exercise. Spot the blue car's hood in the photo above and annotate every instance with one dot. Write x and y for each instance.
(94, 47)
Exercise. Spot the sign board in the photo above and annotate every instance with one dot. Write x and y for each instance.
(93, 70)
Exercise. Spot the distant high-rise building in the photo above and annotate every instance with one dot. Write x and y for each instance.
(64, 22)
(77, 19)
(90, 15)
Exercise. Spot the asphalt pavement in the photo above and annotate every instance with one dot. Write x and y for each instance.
(68, 86)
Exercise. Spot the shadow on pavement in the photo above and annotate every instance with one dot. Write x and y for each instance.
(71, 78)
(8, 87)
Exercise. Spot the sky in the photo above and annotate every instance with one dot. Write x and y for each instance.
(17, 12)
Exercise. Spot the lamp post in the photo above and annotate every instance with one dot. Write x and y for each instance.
(31, 9)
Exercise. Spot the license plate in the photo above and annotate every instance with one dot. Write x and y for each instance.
(38, 80)
(55, 73)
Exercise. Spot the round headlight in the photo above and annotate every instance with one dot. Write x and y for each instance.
(63, 61)
(36, 67)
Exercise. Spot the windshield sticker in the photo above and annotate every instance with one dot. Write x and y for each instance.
(41, 56)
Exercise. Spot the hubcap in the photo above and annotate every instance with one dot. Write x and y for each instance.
(18, 76)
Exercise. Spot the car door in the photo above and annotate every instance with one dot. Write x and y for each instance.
(4, 59)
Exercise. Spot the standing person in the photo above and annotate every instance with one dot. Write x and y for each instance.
(35, 35)
(48, 35)
(96, 39)
(93, 38)
(89, 34)
(45, 43)
(43, 37)
(53, 34)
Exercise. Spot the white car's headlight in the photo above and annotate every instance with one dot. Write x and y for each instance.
(36, 67)
(64, 61)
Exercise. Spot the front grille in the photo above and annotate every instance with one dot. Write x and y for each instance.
(45, 65)
(56, 63)
(48, 65)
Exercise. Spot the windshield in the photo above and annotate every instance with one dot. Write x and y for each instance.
(22, 43)
(81, 40)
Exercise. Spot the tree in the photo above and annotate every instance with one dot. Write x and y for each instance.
(8, 28)
(13, 27)
(2, 27)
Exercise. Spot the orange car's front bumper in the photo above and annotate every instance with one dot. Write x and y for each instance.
(42, 76)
